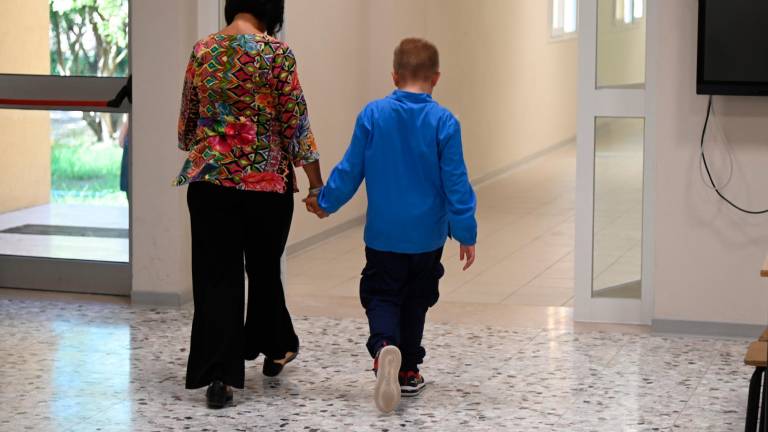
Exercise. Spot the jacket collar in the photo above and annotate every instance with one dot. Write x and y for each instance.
(411, 97)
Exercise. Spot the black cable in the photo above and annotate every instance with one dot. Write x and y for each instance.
(709, 173)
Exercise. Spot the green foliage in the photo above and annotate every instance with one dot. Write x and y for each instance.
(89, 198)
(83, 173)
(86, 175)
(72, 164)
(89, 37)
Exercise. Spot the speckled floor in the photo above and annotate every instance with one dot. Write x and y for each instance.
(105, 367)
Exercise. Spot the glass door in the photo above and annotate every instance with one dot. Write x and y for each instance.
(613, 181)
(64, 174)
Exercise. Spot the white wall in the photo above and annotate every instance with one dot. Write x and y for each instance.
(513, 88)
(330, 40)
(163, 35)
(707, 255)
(389, 22)
(209, 17)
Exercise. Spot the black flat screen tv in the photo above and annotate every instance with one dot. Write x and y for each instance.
(733, 47)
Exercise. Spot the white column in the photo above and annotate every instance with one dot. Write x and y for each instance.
(163, 35)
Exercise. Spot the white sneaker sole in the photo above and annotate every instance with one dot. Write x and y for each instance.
(386, 394)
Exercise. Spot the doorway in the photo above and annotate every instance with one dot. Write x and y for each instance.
(614, 184)
(64, 207)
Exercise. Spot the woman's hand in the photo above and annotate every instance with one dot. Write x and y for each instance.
(315, 177)
(314, 207)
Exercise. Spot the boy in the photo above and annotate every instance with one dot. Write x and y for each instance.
(408, 149)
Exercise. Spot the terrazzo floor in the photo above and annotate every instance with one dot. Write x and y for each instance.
(110, 367)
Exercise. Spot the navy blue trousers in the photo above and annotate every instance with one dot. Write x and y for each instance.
(396, 291)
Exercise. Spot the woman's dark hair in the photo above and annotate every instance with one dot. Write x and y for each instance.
(270, 12)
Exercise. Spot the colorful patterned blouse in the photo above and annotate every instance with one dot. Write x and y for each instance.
(243, 117)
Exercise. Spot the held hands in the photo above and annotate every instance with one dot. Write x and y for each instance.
(467, 252)
(315, 178)
(313, 206)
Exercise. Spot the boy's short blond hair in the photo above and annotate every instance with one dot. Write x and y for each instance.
(416, 60)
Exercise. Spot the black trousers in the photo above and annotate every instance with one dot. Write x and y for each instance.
(396, 291)
(232, 229)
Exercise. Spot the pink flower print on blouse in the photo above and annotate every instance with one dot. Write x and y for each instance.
(235, 134)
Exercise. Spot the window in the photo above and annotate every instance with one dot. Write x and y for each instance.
(629, 11)
(89, 38)
(565, 17)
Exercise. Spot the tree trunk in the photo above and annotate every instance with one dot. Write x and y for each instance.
(55, 20)
(93, 120)
(72, 27)
(108, 129)
(96, 62)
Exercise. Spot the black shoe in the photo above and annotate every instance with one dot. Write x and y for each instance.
(411, 384)
(218, 395)
(272, 368)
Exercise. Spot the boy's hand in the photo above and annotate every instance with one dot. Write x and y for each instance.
(314, 208)
(467, 252)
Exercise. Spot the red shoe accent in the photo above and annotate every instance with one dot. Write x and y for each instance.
(405, 375)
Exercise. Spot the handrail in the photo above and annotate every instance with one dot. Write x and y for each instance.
(53, 103)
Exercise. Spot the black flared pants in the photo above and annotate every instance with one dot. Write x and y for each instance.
(233, 231)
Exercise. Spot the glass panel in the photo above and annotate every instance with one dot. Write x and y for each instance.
(618, 207)
(64, 37)
(639, 9)
(570, 16)
(628, 9)
(619, 10)
(620, 44)
(70, 176)
(557, 15)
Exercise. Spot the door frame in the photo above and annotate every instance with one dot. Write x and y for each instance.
(612, 102)
(84, 94)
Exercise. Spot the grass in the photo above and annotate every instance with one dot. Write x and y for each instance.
(86, 174)
(86, 163)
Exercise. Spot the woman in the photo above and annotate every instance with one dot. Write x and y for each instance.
(245, 126)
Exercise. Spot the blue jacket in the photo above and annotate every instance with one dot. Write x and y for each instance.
(408, 149)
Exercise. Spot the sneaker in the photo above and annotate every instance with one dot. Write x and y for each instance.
(411, 384)
(386, 394)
